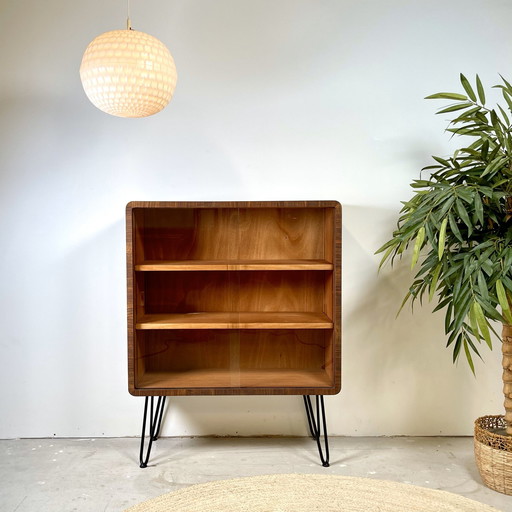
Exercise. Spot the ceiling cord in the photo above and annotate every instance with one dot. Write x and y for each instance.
(128, 21)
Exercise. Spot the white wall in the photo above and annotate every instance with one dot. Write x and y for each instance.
(276, 99)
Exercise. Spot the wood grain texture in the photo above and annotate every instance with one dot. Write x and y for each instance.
(236, 233)
(242, 258)
(335, 352)
(130, 263)
(174, 362)
(231, 265)
(248, 378)
(297, 349)
(266, 349)
(236, 320)
(190, 292)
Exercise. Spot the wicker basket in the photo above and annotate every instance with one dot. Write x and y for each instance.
(493, 453)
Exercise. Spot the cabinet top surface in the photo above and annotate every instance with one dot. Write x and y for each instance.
(233, 204)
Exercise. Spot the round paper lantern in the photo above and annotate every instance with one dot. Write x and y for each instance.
(128, 73)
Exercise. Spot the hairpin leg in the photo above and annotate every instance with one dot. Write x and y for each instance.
(316, 424)
(155, 422)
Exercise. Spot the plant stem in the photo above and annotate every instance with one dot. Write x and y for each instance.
(507, 374)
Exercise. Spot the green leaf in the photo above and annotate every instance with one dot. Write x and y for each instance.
(456, 348)
(433, 283)
(463, 214)
(420, 237)
(504, 114)
(448, 317)
(473, 348)
(485, 150)
(479, 209)
(507, 98)
(490, 312)
(467, 87)
(454, 227)
(389, 243)
(480, 89)
(386, 256)
(467, 116)
(404, 301)
(467, 194)
(442, 161)
(493, 165)
(509, 87)
(468, 356)
(503, 300)
(442, 238)
(446, 206)
(482, 286)
(457, 106)
(447, 96)
(463, 305)
(482, 324)
(473, 322)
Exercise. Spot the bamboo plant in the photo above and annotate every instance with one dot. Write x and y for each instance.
(458, 224)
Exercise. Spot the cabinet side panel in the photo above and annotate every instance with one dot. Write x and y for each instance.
(329, 363)
(329, 231)
(137, 235)
(130, 301)
(337, 314)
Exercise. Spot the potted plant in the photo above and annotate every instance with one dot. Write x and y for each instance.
(458, 224)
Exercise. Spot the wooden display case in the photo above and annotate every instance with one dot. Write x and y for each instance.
(233, 298)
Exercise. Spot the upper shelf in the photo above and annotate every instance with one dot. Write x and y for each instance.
(196, 265)
(235, 320)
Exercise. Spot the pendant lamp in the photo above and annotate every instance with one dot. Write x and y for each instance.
(128, 73)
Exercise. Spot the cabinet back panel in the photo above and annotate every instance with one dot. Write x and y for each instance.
(234, 350)
(231, 233)
(188, 292)
(185, 350)
(300, 349)
(282, 233)
(188, 234)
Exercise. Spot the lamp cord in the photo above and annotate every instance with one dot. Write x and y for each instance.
(128, 21)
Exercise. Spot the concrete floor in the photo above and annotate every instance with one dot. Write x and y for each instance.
(102, 475)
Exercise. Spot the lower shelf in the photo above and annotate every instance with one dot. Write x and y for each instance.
(218, 378)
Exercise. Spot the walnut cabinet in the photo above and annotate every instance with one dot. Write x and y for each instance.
(234, 298)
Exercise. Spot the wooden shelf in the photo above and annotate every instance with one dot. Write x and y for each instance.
(236, 320)
(197, 265)
(216, 378)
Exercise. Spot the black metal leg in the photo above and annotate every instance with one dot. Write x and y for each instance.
(316, 425)
(155, 422)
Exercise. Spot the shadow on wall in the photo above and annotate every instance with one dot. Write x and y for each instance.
(397, 370)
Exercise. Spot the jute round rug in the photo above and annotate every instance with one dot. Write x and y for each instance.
(309, 493)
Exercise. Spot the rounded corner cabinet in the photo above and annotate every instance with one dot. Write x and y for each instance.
(234, 298)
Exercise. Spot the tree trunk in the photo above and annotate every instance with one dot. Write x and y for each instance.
(507, 349)
(507, 374)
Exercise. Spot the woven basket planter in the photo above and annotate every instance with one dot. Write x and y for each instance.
(493, 453)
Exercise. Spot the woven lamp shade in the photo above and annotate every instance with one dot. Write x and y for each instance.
(128, 73)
